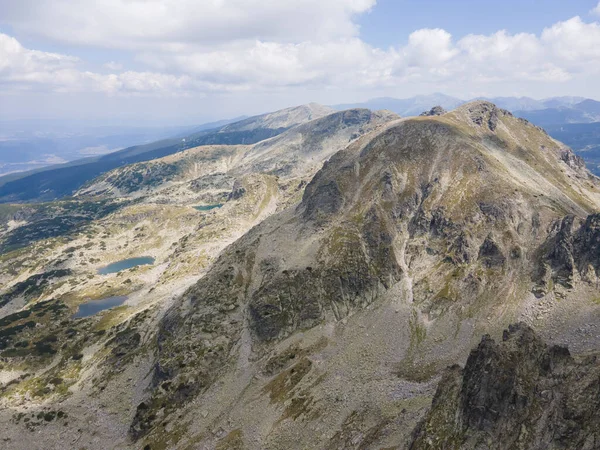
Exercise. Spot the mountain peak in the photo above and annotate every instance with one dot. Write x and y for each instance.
(480, 106)
(435, 111)
(482, 113)
(283, 118)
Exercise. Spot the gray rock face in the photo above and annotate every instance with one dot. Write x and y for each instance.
(217, 181)
(485, 114)
(587, 247)
(572, 249)
(516, 394)
(490, 254)
(435, 111)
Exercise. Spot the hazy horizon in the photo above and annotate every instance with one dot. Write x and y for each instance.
(184, 63)
(150, 121)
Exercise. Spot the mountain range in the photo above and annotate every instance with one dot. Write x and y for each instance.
(62, 180)
(56, 181)
(549, 111)
(303, 279)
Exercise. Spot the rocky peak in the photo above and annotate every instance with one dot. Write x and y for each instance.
(516, 394)
(483, 113)
(435, 111)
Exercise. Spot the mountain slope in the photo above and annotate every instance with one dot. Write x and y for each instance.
(60, 181)
(298, 315)
(297, 152)
(435, 227)
(159, 222)
(232, 176)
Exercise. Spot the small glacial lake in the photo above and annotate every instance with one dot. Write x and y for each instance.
(208, 207)
(125, 264)
(95, 306)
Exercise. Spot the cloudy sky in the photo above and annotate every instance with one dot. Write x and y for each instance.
(187, 61)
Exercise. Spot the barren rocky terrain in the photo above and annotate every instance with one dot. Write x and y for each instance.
(307, 291)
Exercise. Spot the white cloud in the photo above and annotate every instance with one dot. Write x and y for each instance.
(501, 47)
(112, 65)
(503, 56)
(271, 64)
(596, 10)
(217, 45)
(430, 55)
(22, 68)
(574, 41)
(135, 24)
(429, 48)
(17, 61)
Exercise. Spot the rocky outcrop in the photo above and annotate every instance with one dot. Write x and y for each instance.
(490, 253)
(571, 159)
(484, 113)
(237, 191)
(571, 250)
(516, 394)
(214, 181)
(435, 111)
(586, 247)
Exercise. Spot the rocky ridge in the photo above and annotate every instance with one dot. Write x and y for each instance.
(515, 394)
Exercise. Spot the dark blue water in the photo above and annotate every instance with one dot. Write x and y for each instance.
(208, 207)
(95, 306)
(125, 264)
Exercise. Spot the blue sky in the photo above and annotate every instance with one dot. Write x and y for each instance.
(381, 26)
(186, 61)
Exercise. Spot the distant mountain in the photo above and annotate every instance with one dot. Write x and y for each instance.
(409, 106)
(297, 152)
(554, 116)
(531, 104)
(586, 111)
(516, 103)
(583, 138)
(557, 102)
(211, 126)
(62, 180)
(591, 107)
(258, 128)
(23, 149)
(573, 109)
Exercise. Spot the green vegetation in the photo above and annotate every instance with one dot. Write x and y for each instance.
(34, 286)
(56, 219)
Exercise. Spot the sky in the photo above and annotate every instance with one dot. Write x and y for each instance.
(177, 62)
